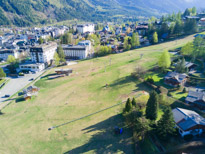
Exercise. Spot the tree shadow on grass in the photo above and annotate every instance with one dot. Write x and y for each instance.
(121, 82)
(106, 141)
(20, 99)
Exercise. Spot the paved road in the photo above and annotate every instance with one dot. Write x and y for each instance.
(16, 84)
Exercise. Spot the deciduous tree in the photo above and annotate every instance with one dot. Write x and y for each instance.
(155, 37)
(164, 60)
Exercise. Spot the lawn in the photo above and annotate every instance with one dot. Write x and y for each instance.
(24, 125)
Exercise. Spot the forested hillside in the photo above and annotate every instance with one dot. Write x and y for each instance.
(29, 12)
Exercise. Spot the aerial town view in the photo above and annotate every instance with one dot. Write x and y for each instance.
(104, 77)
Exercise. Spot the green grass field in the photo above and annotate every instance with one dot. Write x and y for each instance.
(24, 125)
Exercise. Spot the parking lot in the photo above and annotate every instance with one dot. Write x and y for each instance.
(16, 84)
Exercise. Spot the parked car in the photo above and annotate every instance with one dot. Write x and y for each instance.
(31, 79)
(6, 96)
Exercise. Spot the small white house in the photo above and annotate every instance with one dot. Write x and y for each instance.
(188, 122)
(34, 67)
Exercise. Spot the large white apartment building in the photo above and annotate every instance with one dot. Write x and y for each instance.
(75, 52)
(43, 53)
(86, 28)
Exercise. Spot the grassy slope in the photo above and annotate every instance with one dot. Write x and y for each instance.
(23, 127)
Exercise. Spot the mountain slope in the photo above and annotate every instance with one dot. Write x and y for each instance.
(28, 12)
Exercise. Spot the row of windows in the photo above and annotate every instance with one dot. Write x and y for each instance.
(33, 67)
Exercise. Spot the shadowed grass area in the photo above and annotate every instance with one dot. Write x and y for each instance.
(94, 85)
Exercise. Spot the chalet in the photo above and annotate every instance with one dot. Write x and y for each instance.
(196, 98)
(175, 79)
(188, 122)
(27, 96)
(202, 22)
(142, 30)
(190, 66)
(31, 89)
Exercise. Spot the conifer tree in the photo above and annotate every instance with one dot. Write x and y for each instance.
(128, 105)
(134, 103)
(166, 124)
(152, 106)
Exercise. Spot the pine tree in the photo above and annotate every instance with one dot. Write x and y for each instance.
(164, 60)
(166, 124)
(152, 106)
(194, 11)
(181, 66)
(61, 53)
(134, 103)
(178, 28)
(128, 105)
(155, 37)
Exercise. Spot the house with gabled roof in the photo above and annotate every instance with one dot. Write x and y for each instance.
(175, 79)
(196, 98)
(188, 122)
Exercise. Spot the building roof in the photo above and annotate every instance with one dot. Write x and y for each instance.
(195, 96)
(74, 47)
(186, 119)
(179, 77)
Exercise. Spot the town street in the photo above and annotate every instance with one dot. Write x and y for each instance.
(16, 84)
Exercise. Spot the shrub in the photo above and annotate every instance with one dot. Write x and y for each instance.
(150, 80)
(184, 90)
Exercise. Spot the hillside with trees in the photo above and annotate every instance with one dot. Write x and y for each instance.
(29, 12)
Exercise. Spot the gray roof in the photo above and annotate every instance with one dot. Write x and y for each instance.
(179, 77)
(194, 96)
(187, 119)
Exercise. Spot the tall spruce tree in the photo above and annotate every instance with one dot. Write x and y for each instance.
(166, 124)
(134, 103)
(128, 105)
(152, 106)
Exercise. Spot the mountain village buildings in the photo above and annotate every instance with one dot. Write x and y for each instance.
(188, 122)
(86, 28)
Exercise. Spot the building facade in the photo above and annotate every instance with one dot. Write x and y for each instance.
(34, 67)
(86, 43)
(43, 53)
(86, 28)
(4, 53)
(75, 52)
